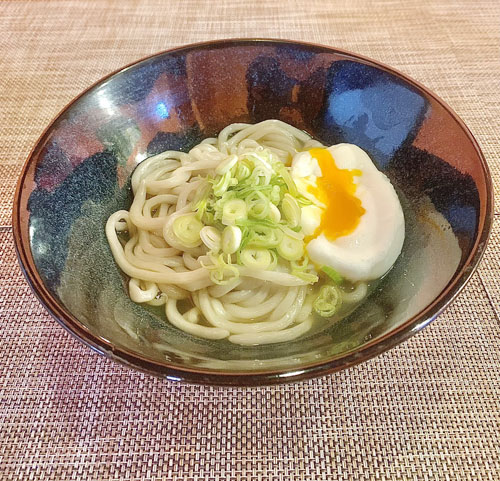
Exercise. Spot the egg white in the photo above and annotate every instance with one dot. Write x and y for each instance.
(372, 248)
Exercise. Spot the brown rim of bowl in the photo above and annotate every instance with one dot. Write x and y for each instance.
(263, 377)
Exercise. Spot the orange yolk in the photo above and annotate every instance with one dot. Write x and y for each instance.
(336, 190)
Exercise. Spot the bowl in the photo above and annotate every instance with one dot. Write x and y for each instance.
(78, 174)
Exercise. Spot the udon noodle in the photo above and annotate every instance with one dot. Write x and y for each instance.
(174, 259)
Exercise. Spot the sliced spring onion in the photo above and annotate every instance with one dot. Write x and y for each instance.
(328, 301)
(252, 209)
(303, 270)
(290, 249)
(242, 170)
(309, 277)
(294, 234)
(256, 258)
(221, 270)
(208, 218)
(242, 191)
(231, 239)
(302, 201)
(274, 261)
(224, 276)
(291, 210)
(187, 229)
(332, 274)
(211, 237)
(257, 205)
(262, 236)
(260, 176)
(221, 183)
(300, 264)
(262, 159)
(234, 210)
(275, 195)
(257, 223)
(285, 174)
(274, 213)
(200, 209)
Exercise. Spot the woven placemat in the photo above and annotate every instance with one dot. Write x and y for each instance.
(427, 410)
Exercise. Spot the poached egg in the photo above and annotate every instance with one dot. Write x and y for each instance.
(355, 223)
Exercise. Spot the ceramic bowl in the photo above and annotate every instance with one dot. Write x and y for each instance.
(78, 173)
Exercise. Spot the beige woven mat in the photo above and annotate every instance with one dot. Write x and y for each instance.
(427, 410)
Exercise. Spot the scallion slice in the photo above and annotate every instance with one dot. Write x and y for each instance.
(187, 229)
(256, 258)
(231, 239)
(332, 274)
(291, 210)
(211, 237)
(234, 210)
(328, 301)
(290, 249)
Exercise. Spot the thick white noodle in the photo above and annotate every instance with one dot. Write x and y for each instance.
(355, 296)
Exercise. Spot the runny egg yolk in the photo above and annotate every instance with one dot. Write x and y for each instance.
(336, 189)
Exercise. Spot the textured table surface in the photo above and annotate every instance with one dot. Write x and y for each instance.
(428, 409)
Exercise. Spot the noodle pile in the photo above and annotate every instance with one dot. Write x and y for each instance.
(245, 304)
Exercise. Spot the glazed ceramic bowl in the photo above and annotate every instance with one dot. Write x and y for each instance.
(77, 175)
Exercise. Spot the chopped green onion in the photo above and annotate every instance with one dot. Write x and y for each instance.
(256, 223)
(211, 237)
(275, 195)
(262, 236)
(187, 229)
(300, 264)
(285, 174)
(302, 269)
(221, 272)
(231, 239)
(257, 205)
(294, 234)
(234, 210)
(332, 274)
(256, 258)
(221, 183)
(260, 176)
(242, 170)
(290, 249)
(308, 277)
(208, 218)
(328, 301)
(302, 201)
(291, 210)
(262, 159)
(251, 209)
(242, 191)
(274, 213)
(274, 261)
